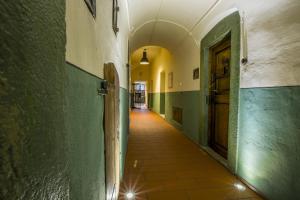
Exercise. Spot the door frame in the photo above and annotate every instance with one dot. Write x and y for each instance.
(162, 98)
(230, 25)
(109, 69)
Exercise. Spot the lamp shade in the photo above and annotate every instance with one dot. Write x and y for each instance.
(144, 60)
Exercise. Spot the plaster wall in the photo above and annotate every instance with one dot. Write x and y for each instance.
(91, 42)
(272, 40)
(141, 73)
(186, 59)
(271, 27)
(162, 63)
(33, 150)
(179, 62)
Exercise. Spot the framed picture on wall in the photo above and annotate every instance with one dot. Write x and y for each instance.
(91, 4)
(170, 80)
(196, 74)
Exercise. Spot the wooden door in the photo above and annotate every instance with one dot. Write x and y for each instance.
(162, 92)
(112, 143)
(219, 90)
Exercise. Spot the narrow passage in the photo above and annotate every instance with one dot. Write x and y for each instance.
(162, 164)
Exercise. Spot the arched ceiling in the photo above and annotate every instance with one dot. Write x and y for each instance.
(165, 23)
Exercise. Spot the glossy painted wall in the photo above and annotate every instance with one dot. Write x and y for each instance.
(83, 114)
(33, 135)
(269, 141)
(84, 122)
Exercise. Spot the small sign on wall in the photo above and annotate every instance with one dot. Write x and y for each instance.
(196, 74)
(170, 80)
(91, 4)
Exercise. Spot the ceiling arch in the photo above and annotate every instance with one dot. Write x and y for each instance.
(165, 23)
(159, 33)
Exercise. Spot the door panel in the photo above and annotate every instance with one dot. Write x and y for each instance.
(112, 160)
(162, 92)
(219, 92)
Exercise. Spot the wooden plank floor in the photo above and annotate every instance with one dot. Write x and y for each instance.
(162, 164)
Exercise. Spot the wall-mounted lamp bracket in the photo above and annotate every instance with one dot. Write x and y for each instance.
(103, 90)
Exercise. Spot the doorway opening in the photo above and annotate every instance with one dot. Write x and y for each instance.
(219, 90)
(139, 95)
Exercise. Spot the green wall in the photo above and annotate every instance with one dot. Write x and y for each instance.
(51, 117)
(155, 102)
(33, 138)
(162, 104)
(84, 124)
(189, 102)
(269, 141)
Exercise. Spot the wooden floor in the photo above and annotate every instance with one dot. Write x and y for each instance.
(162, 164)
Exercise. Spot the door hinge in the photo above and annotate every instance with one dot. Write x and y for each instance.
(103, 90)
(209, 99)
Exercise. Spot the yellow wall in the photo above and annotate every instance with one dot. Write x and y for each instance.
(141, 73)
(179, 63)
(92, 42)
(162, 63)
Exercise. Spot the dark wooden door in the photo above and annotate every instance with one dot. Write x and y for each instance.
(219, 90)
(162, 92)
(112, 152)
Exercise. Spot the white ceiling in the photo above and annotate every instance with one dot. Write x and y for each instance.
(165, 22)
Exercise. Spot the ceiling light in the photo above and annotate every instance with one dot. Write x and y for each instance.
(240, 186)
(144, 60)
(129, 195)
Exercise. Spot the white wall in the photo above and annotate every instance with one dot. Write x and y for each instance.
(92, 42)
(186, 59)
(273, 29)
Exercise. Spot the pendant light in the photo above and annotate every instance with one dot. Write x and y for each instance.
(144, 60)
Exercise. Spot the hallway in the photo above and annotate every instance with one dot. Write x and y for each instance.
(163, 164)
(221, 80)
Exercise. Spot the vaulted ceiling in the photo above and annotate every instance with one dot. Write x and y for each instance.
(165, 23)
